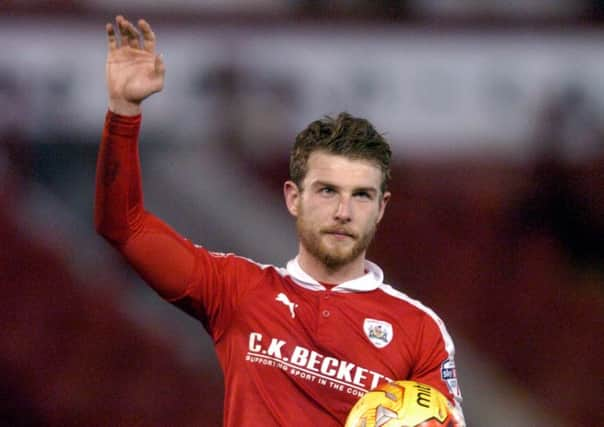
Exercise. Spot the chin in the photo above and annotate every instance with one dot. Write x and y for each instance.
(337, 258)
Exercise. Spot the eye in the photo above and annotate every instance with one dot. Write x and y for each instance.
(327, 191)
(363, 195)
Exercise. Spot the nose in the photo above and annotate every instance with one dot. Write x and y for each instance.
(344, 210)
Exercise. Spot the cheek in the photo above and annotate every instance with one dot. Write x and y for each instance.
(372, 216)
(313, 214)
(315, 205)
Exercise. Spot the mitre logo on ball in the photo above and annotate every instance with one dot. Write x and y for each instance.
(404, 404)
(379, 332)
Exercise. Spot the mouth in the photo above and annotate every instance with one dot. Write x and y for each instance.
(339, 234)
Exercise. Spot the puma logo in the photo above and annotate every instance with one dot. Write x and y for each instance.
(285, 300)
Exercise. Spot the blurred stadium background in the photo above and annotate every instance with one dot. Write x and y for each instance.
(495, 112)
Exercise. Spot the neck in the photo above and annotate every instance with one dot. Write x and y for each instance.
(316, 269)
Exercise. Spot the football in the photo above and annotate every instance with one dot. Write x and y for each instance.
(403, 404)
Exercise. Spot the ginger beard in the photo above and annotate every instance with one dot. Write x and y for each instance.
(332, 252)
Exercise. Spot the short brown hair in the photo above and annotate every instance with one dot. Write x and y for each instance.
(348, 136)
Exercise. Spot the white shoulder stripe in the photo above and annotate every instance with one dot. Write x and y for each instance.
(449, 346)
(281, 271)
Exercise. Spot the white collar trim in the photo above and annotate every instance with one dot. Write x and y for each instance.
(370, 281)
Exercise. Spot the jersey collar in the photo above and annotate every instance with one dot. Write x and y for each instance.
(368, 282)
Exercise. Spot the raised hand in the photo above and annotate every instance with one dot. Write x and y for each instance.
(134, 71)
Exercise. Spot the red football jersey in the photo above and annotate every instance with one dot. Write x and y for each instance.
(296, 353)
(293, 352)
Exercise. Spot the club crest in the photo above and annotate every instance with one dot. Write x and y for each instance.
(379, 332)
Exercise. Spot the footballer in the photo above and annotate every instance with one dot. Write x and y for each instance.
(298, 344)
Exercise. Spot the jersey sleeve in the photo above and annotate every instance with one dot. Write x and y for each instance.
(435, 365)
(217, 286)
(204, 284)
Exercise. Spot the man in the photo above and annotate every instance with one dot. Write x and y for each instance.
(298, 345)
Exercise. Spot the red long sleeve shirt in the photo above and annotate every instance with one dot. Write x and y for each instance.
(293, 352)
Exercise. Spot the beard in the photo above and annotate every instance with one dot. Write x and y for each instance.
(335, 255)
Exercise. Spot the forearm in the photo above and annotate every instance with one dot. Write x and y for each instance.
(160, 255)
(119, 199)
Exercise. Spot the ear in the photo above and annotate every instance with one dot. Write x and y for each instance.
(291, 192)
(383, 203)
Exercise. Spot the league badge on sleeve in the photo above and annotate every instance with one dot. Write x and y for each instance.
(448, 374)
(379, 332)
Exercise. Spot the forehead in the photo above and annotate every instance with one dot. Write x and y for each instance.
(342, 171)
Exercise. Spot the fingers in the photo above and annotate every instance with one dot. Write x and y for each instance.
(148, 36)
(160, 67)
(122, 26)
(111, 38)
(133, 37)
(160, 71)
(128, 33)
